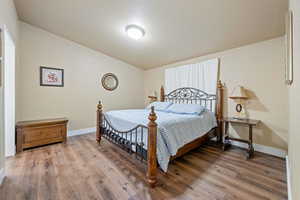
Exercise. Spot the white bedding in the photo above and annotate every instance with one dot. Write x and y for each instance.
(174, 130)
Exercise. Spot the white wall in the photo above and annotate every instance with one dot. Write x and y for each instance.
(260, 69)
(9, 18)
(83, 70)
(294, 110)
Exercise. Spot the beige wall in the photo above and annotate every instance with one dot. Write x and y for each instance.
(294, 103)
(260, 69)
(9, 18)
(83, 70)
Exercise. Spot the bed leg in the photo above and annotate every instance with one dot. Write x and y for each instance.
(220, 132)
(99, 122)
(152, 160)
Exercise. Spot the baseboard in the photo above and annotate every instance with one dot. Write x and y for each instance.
(263, 149)
(12, 152)
(2, 175)
(81, 131)
(288, 176)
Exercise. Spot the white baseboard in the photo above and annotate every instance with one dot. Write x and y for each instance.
(288, 176)
(81, 131)
(263, 149)
(2, 175)
(12, 152)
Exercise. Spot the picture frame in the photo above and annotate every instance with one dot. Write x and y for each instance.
(289, 49)
(110, 81)
(51, 77)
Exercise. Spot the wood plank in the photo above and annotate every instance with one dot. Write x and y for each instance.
(82, 169)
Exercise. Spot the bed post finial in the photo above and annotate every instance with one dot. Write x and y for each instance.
(99, 106)
(220, 84)
(99, 122)
(151, 151)
(220, 103)
(162, 94)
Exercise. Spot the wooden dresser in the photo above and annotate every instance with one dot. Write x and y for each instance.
(40, 132)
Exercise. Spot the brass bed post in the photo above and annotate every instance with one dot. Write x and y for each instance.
(151, 151)
(99, 122)
(162, 94)
(219, 113)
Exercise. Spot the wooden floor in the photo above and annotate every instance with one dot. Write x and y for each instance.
(83, 170)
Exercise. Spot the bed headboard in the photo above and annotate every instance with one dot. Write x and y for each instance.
(213, 102)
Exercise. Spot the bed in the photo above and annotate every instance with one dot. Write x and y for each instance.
(157, 137)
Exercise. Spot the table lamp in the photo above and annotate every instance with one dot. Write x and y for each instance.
(239, 96)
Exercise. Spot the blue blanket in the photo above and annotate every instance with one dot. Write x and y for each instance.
(174, 130)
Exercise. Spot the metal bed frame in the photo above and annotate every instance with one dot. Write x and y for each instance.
(129, 141)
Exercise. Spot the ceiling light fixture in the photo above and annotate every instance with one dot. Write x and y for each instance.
(134, 31)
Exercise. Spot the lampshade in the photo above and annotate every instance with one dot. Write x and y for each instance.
(238, 93)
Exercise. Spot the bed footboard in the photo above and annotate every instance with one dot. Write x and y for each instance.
(132, 140)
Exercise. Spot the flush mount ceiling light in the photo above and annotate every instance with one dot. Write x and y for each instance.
(134, 31)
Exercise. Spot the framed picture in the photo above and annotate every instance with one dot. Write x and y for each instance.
(51, 77)
(289, 49)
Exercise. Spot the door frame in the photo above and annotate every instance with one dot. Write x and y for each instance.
(9, 135)
(2, 131)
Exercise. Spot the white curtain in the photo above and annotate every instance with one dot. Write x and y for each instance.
(203, 75)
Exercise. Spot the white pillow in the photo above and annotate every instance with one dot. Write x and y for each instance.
(192, 109)
(160, 106)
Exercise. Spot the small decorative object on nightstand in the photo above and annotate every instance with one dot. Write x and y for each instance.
(247, 122)
(239, 96)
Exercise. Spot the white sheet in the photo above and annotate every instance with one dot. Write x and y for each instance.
(174, 130)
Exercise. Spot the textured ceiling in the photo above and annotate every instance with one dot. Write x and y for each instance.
(175, 29)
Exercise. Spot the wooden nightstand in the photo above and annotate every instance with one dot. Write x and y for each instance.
(247, 122)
